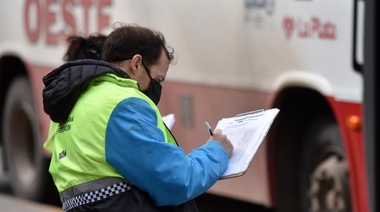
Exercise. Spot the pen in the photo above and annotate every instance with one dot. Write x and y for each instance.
(208, 127)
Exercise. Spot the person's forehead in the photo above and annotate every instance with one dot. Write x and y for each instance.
(163, 62)
(160, 70)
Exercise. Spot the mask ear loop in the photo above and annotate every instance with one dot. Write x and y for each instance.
(151, 79)
(147, 71)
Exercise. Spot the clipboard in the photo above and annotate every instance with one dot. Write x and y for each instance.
(246, 132)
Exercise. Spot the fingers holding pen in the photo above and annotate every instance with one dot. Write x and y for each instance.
(223, 140)
(217, 134)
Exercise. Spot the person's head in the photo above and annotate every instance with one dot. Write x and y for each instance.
(84, 47)
(142, 53)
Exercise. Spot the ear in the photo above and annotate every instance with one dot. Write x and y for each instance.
(136, 62)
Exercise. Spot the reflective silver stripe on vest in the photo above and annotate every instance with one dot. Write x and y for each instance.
(92, 191)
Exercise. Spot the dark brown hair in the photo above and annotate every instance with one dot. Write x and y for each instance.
(85, 47)
(127, 40)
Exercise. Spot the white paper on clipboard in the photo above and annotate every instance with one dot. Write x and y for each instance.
(246, 132)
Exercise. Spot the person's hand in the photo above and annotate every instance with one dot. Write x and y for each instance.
(223, 140)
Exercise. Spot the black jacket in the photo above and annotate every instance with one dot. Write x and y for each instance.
(64, 85)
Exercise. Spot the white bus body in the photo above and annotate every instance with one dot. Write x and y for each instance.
(231, 57)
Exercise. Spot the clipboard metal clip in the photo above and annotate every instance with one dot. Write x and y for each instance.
(248, 115)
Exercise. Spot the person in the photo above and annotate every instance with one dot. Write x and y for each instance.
(110, 149)
(80, 47)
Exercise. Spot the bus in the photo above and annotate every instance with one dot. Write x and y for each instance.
(301, 56)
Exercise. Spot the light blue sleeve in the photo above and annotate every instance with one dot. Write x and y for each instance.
(135, 146)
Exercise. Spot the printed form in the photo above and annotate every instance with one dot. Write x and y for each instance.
(246, 132)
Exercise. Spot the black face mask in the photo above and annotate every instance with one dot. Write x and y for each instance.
(154, 90)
